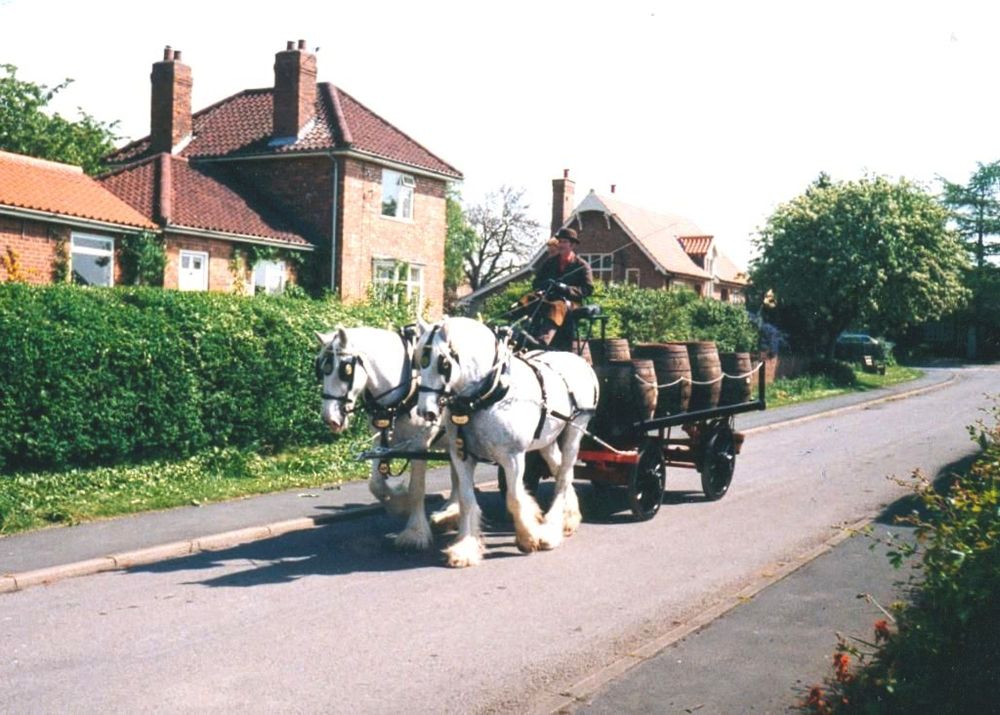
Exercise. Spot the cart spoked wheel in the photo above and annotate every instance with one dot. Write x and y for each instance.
(718, 462)
(647, 480)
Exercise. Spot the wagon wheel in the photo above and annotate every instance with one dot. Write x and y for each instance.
(718, 462)
(647, 481)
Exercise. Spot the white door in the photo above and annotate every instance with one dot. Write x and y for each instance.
(193, 274)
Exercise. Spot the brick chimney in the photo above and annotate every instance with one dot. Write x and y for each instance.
(294, 90)
(562, 200)
(170, 108)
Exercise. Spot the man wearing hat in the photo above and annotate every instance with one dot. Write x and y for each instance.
(561, 277)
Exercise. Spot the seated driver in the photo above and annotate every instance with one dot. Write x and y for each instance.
(561, 277)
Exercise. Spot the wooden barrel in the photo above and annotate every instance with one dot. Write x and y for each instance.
(603, 351)
(581, 348)
(670, 360)
(628, 395)
(705, 368)
(736, 383)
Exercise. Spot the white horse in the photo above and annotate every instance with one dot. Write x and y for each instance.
(499, 407)
(377, 365)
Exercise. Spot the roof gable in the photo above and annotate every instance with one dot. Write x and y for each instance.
(656, 234)
(55, 188)
(241, 125)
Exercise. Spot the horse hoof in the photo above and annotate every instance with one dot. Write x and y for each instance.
(467, 552)
(527, 546)
(412, 541)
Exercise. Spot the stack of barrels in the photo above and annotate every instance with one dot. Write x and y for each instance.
(646, 380)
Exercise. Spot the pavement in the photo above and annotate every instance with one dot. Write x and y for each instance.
(634, 684)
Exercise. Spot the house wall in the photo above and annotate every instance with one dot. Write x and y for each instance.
(367, 234)
(31, 247)
(35, 244)
(597, 236)
(219, 255)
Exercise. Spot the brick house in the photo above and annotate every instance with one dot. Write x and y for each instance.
(299, 181)
(57, 223)
(628, 244)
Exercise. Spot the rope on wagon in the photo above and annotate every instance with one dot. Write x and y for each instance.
(699, 382)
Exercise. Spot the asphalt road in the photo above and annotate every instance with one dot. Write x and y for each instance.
(331, 619)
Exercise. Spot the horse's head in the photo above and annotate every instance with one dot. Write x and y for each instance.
(440, 370)
(343, 376)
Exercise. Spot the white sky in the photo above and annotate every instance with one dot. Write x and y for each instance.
(717, 111)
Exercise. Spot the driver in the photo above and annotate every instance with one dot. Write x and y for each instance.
(563, 276)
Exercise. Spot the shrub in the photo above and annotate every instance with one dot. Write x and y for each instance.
(646, 315)
(941, 655)
(101, 376)
(840, 373)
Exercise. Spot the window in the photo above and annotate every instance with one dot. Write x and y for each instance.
(392, 279)
(192, 274)
(269, 277)
(602, 265)
(397, 194)
(632, 276)
(93, 260)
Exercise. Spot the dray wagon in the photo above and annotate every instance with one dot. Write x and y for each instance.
(645, 421)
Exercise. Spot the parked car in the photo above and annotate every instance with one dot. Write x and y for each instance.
(863, 349)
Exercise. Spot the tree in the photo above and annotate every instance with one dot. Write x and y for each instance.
(460, 241)
(976, 214)
(505, 236)
(871, 253)
(976, 211)
(25, 128)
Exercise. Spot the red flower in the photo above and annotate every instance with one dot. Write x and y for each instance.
(816, 701)
(842, 665)
(881, 631)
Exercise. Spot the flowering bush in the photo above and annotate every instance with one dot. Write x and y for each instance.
(938, 653)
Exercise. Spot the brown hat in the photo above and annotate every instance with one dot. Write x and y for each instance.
(567, 233)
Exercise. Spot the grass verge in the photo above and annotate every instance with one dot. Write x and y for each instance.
(32, 500)
(806, 388)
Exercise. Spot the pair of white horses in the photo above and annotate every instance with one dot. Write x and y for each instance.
(494, 406)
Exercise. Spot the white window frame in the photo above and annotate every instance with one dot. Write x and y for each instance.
(408, 276)
(108, 253)
(632, 276)
(400, 188)
(602, 265)
(180, 267)
(269, 277)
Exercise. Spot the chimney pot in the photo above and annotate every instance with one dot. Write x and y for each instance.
(168, 53)
(177, 55)
(565, 173)
(613, 188)
(302, 44)
(290, 45)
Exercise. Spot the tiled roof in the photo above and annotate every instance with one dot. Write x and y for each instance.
(728, 271)
(40, 185)
(657, 234)
(695, 245)
(202, 197)
(242, 125)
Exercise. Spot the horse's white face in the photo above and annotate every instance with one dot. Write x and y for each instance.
(343, 377)
(439, 371)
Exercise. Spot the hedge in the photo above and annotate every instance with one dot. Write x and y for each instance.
(100, 376)
(648, 315)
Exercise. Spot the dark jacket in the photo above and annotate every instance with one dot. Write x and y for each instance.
(577, 276)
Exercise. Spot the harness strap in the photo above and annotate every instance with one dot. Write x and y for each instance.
(544, 410)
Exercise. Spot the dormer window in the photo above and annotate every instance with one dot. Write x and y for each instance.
(397, 194)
